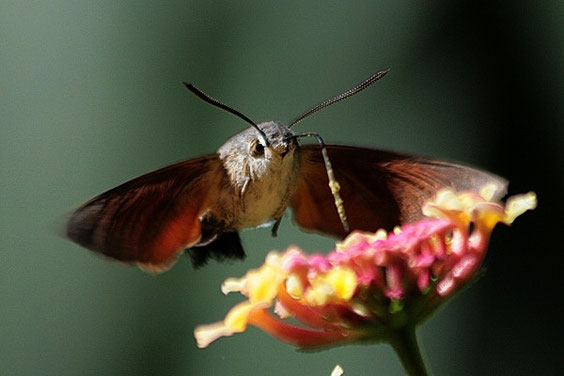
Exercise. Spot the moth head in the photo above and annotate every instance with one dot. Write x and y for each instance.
(250, 145)
(246, 155)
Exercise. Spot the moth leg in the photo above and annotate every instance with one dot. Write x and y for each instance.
(242, 192)
(275, 227)
(245, 186)
(278, 215)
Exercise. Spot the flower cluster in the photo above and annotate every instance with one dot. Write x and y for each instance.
(372, 284)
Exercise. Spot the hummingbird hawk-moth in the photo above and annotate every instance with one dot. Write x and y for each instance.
(200, 204)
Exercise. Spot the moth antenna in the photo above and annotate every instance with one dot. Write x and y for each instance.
(358, 88)
(206, 98)
(333, 183)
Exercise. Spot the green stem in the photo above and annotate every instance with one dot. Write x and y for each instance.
(404, 342)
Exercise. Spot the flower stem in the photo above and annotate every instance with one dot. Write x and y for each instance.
(404, 342)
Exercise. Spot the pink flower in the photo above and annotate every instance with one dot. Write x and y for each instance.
(372, 286)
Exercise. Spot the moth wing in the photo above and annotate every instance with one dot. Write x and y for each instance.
(380, 189)
(151, 219)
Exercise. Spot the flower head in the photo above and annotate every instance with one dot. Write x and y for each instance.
(371, 284)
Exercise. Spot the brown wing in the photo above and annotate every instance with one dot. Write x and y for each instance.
(150, 219)
(380, 189)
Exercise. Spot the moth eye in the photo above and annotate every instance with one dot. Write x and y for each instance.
(256, 148)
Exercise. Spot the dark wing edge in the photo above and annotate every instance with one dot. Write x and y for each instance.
(380, 189)
(149, 220)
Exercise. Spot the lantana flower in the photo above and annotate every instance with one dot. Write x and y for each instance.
(372, 287)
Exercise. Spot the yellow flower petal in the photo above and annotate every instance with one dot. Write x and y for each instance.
(344, 282)
(488, 215)
(263, 284)
(357, 237)
(236, 319)
(449, 200)
(319, 294)
(517, 205)
(206, 334)
(338, 284)
(488, 191)
(294, 286)
(235, 322)
(354, 238)
(233, 285)
(337, 371)
(450, 205)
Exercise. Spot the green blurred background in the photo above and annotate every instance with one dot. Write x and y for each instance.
(91, 96)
